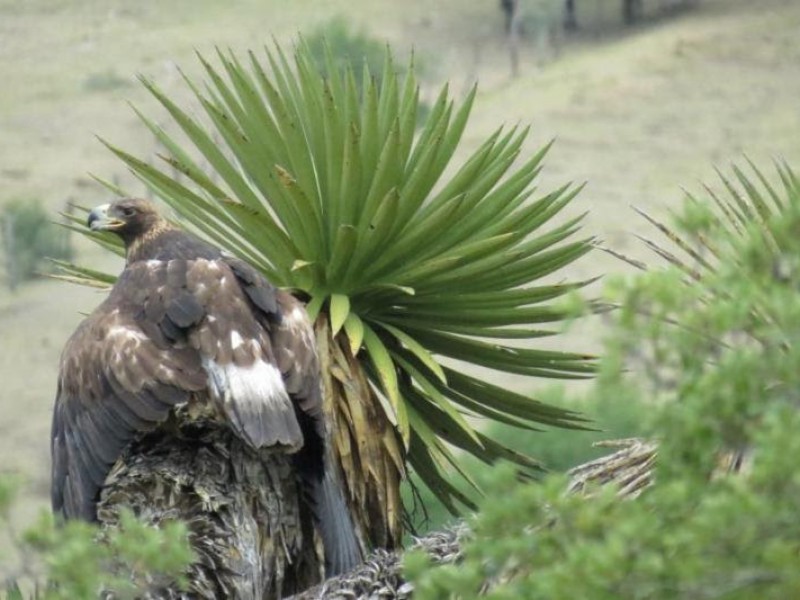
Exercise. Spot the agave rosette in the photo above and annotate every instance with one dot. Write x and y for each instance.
(335, 192)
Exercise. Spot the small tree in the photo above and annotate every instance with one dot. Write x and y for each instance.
(720, 377)
(29, 238)
(336, 47)
(330, 192)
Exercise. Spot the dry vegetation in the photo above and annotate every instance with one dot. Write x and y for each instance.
(635, 114)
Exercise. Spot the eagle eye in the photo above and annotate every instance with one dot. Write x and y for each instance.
(127, 211)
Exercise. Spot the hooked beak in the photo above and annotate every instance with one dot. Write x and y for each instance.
(100, 221)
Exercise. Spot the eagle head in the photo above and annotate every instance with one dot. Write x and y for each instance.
(129, 218)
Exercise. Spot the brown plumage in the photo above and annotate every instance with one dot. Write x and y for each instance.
(187, 327)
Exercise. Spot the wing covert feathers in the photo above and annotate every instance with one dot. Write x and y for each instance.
(103, 401)
(172, 330)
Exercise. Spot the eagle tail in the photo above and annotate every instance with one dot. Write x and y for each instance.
(342, 550)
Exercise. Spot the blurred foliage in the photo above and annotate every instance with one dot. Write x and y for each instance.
(337, 46)
(537, 14)
(104, 81)
(714, 360)
(612, 417)
(29, 238)
(540, 14)
(560, 450)
(78, 560)
(350, 49)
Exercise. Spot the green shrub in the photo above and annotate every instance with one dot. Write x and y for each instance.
(356, 50)
(104, 81)
(713, 358)
(350, 49)
(28, 239)
(77, 560)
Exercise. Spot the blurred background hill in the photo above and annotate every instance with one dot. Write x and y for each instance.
(637, 111)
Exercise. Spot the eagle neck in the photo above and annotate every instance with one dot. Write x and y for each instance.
(147, 245)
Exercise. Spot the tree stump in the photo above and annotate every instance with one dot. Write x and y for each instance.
(251, 534)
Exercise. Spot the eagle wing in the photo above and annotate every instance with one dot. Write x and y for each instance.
(114, 381)
(170, 329)
(291, 337)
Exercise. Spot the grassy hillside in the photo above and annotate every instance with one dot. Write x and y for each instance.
(636, 114)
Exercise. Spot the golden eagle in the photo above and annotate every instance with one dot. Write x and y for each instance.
(188, 326)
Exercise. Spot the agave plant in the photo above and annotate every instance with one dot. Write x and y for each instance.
(404, 258)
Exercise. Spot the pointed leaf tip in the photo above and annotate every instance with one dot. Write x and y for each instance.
(354, 328)
(340, 309)
(314, 305)
(387, 374)
(300, 264)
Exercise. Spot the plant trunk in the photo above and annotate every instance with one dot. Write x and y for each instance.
(631, 10)
(10, 250)
(513, 37)
(570, 22)
(251, 536)
(366, 446)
